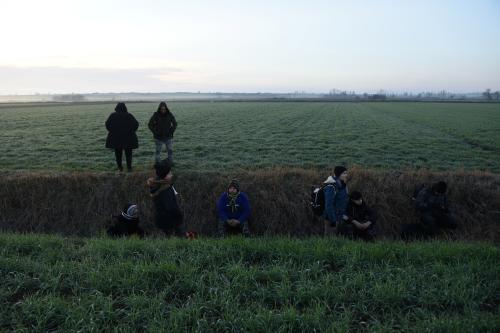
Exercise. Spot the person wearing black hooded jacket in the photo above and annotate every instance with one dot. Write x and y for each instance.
(167, 214)
(163, 125)
(121, 127)
(360, 223)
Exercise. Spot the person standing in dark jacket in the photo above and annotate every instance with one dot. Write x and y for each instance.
(163, 125)
(167, 214)
(121, 127)
(360, 221)
(233, 211)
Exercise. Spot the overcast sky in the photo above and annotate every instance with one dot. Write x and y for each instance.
(248, 46)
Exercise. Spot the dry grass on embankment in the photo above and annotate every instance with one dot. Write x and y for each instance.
(80, 203)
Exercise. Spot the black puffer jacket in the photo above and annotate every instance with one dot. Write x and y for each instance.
(122, 127)
(167, 213)
(162, 125)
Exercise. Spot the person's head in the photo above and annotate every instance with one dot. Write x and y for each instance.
(356, 197)
(130, 211)
(439, 188)
(162, 108)
(163, 170)
(340, 172)
(121, 107)
(233, 187)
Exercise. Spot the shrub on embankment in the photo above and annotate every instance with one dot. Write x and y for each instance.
(80, 203)
(50, 283)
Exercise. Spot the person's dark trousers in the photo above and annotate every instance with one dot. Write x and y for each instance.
(223, 228)
(348, 230)
(128, 158)
(433, 222)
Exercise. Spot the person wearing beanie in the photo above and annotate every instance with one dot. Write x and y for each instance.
(361, 219)
(163, 125)
(121, 126)
(336, 199)
(233, 211)
(126, 223)
(167, 215)
(432, 205)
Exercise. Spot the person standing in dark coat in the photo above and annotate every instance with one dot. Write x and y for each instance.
(360, 223)
(121, 127)
(163, 125)
(167, 214)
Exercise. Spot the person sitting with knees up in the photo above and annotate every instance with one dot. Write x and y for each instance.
(233, 210)
(127, 223)
(360, 219)
(167, 214)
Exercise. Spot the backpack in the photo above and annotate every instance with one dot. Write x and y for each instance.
(318, 199)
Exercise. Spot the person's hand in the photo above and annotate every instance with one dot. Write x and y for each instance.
(345, 217)
(357, 224)
(233, 222)
(366, 225)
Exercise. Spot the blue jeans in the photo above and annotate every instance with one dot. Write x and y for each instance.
(159, 145)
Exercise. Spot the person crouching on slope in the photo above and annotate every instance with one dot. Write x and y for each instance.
(127, 223)
(361, 219)
(167, 214)
(233, 210)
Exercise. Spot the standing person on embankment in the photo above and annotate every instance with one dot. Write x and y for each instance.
(121, 127)
(336, 200)
(163, 125)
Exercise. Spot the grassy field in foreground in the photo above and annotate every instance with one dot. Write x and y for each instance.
(223, 135)
(51, 283)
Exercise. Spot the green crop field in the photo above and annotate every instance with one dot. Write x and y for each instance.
(222, 135)
(51, 283)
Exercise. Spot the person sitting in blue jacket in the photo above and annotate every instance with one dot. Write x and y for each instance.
(233, 211)
(336, 200)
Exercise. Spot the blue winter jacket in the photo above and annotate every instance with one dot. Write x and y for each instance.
(242, 212)
(336, 200)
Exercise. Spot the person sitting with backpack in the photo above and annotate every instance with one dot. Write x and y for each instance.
(127, 223)
(336, 199)
(233, 211)
(432, 204)
(167, 214)
(361, 219)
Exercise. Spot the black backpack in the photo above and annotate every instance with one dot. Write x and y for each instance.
(318, 199)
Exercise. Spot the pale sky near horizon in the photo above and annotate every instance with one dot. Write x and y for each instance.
(57, 46)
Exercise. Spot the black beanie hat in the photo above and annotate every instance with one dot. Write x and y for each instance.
(355, 195)
(130, 211)
(162, 168)
(339, 170)
(234, 183)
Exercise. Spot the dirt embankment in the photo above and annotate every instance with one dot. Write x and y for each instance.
(80, 203)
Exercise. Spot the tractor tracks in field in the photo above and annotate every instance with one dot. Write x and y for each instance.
(467, 141)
